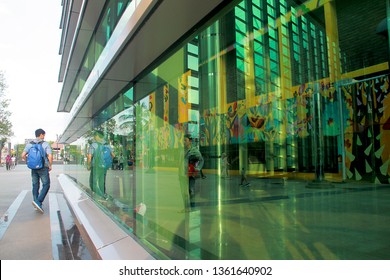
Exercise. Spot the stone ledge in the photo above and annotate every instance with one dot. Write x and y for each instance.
(104, 238)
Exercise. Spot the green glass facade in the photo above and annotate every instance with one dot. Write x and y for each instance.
(292, 92)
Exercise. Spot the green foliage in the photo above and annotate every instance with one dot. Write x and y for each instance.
(107, 127)
(72, 152)
(5, 123)
(19, 150)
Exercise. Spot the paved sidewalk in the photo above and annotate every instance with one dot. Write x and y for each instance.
(287, 219)
(27, 234)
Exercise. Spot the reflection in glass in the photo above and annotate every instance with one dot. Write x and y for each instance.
(275, 97)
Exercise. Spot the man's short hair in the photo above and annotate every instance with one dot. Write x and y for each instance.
(39, 131)
(98, 133)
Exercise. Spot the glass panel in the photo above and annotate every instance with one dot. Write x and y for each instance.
(289, 100)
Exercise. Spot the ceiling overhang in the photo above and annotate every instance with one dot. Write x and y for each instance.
(87, 18)
(137, 45)
(71, 13)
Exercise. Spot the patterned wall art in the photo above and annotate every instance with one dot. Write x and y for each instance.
(367, 133)
(365, 124)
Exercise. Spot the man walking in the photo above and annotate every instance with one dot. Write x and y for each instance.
(99, 160)
(39, 174)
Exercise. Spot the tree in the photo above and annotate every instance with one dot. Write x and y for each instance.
(107, 128)
(5, 123)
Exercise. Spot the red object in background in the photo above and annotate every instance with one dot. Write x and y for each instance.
(192, 172)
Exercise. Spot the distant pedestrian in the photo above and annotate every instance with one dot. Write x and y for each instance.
(244, 182)
(41, 174)
(8, 162)
(13, 162)
(224, 166)
(121, 161)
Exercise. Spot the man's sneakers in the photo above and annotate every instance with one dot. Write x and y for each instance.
(37, 206)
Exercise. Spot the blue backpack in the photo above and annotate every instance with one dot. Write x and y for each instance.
(36, 156)
(102, 156)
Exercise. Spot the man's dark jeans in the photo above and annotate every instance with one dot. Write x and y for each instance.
(97, 180)
(38, 176)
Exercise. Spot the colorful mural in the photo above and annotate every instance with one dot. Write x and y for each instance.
(183, 104)
(367, 134)
(365, 122)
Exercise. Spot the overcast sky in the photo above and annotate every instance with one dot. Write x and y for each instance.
(29, 58)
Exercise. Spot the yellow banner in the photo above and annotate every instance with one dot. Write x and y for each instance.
(166, 103)
(183, 105)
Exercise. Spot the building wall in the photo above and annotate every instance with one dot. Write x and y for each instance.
(279, 87)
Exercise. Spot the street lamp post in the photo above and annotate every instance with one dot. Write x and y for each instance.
(57, 147)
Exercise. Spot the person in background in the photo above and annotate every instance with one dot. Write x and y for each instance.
(13, 161)
(224, 166)
(244, 181)
(8, 162)
(192, 164)
(121, 161)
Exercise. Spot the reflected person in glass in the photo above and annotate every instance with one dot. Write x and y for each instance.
(192, 164)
